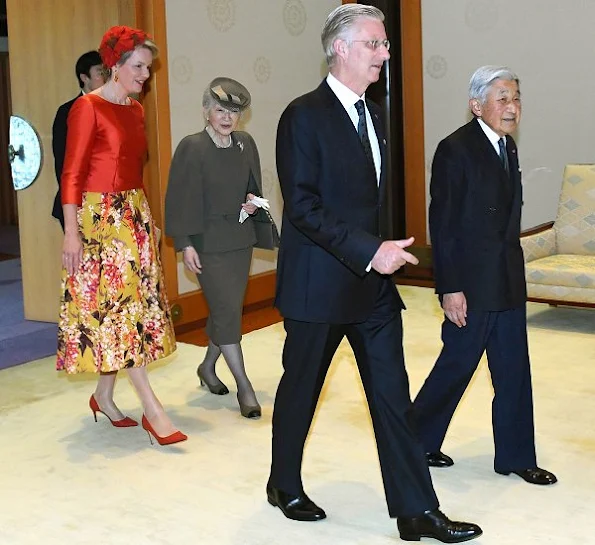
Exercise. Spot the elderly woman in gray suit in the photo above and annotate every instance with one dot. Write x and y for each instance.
(213, 175)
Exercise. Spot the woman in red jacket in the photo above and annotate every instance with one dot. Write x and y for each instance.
(114, 312)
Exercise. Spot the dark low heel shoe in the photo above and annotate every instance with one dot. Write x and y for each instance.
(534, 475)
(217, 388)
(295, 507)
(438, 459)
(249, 411)
(437, 525)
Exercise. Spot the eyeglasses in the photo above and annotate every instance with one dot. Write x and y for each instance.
(375, 44)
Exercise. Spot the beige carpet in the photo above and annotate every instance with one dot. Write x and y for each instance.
(66, 479)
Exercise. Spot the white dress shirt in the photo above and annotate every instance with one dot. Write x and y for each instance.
(492, 136)
(348, 99)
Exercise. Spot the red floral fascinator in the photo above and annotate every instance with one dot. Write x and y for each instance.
(117, 41)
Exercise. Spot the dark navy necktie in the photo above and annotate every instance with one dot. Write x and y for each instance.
(362, 130)
(503, 155)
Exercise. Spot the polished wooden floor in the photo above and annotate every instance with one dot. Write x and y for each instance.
(251, 321)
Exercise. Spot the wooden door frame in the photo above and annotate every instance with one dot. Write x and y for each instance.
(41, 49)
(8, 198)
(188, 308)
(414, 163)
(413, 119)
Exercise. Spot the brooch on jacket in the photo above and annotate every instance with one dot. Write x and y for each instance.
(241, 146)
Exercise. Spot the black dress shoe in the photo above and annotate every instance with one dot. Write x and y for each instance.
(534, 475)
(439, 459)
(295, 507)
(437, 525)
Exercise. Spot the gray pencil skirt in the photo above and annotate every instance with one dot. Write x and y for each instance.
(223, 281)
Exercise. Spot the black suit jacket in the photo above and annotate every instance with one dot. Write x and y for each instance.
(332, 205)
(475, 221)
(59, 132)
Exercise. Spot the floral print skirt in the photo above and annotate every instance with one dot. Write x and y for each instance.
(114, 312)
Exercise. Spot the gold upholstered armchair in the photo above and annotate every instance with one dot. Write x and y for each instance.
(560, 256)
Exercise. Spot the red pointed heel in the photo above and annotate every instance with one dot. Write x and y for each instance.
(126, 422)
(176, 437)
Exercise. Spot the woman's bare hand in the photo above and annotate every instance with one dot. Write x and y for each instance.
(72, 252)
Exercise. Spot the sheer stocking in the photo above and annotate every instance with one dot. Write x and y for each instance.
(235, 361)
(104, 395)
(206, 370)
(152, 407)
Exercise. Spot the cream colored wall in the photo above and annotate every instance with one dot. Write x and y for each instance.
(550, 44)
(272, 47)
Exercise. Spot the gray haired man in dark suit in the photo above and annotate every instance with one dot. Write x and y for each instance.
(475, 221)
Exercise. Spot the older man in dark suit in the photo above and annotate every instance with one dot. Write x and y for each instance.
(90, 75)
(333, 278)
(475, 218)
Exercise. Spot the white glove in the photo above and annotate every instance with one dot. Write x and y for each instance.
(257, 201)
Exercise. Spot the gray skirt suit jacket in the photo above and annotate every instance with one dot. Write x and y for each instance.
(207, 186)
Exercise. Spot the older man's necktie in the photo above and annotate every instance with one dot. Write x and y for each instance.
(362, 130)
(503, 155)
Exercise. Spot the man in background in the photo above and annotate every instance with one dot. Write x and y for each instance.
(90, 75)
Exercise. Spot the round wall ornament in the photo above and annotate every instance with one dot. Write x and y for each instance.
(24, 152)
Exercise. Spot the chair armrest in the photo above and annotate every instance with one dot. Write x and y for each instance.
(538, 242)
(537, 229)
